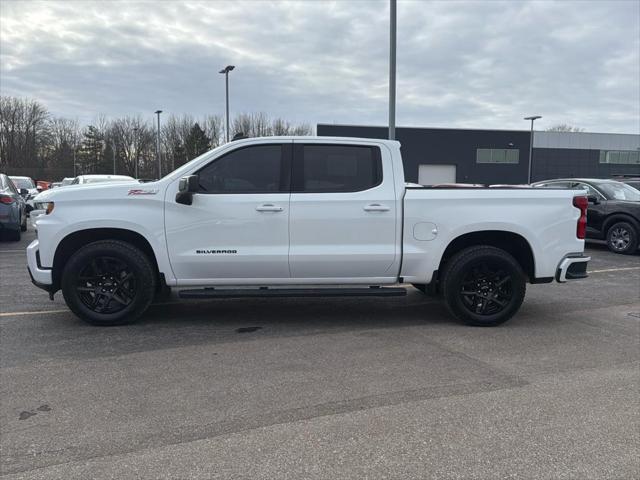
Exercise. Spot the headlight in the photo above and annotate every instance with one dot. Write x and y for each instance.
(46, 206)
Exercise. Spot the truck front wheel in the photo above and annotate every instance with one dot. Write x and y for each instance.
(483, 286)
(108, 282)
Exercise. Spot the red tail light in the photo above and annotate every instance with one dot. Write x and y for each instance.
(582, 203)
(7, 199)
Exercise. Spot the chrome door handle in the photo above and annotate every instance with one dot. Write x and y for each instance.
(268, 207)
(376, 207)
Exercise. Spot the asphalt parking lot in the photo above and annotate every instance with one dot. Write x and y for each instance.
(325, 388)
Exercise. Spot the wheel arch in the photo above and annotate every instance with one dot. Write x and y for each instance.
(75, 240)
(619, 217)
(513, 243)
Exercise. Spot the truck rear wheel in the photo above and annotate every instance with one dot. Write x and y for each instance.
(108, 283)
(483, 286)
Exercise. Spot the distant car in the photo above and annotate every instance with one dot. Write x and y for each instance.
(43, 185)
(13, 211)
(86, 179)
(32, 189)
(613, 214)
(66, 181)
(55, 184)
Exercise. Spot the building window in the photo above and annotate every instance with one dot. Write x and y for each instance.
(497, 155)
(620, 157)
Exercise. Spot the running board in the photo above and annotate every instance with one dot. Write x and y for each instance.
(292, 292)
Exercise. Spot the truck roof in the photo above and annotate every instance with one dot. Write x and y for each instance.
(316, 138)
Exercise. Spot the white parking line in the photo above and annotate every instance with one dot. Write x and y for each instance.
(37, 312)
(41, 312)
(614, 269)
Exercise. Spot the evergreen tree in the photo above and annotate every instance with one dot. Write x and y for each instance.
(92, 150)
(196, 142)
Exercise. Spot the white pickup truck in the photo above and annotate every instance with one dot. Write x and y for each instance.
(303, 216)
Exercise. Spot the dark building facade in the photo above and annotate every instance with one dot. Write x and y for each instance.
(441, 155)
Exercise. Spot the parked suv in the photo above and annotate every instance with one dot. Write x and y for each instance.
(613, 214)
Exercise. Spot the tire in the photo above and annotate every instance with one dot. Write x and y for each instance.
(108, 283)
(483, 286)
(622, 237)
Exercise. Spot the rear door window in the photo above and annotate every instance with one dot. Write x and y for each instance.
(336, 168)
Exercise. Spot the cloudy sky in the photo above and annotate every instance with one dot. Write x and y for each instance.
(478, 64)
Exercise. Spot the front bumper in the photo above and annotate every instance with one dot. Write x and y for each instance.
(572, 267)
(41, 277)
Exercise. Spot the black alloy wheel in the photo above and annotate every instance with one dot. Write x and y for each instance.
(483, 285)
(106, 285)
(486, 289)
(109, 282)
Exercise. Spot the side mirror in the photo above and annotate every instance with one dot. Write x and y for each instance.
(187, 186)
(593, 199)
(24, 192)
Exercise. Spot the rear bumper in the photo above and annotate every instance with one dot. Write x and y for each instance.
(41, 277)
(572, 267)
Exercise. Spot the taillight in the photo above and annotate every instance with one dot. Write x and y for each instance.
(582, 203)
(6, 199)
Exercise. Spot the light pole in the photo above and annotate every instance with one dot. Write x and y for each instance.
(226, 71)
(158, 112)
(135, 149)
(533, 119)
(392, 69)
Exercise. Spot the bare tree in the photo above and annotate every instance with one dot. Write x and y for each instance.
(302, 129)
(214, 128)
(35, 143)
(259, 125)
(242, 124)
(64, 139)
(23, 132)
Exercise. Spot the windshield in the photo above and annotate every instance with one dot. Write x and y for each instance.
(23, 182)
(620, 191)
(187, 166)
(66, 181)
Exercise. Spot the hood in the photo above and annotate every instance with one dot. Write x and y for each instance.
(98, 191)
